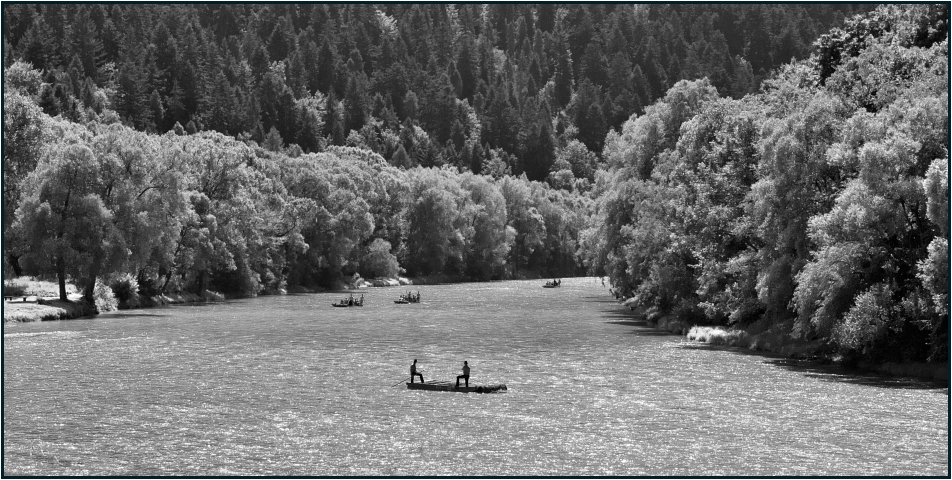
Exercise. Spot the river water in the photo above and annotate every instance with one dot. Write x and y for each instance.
(288, 385)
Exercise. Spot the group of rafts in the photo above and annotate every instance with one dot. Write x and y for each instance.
(440, 386)
(359, 302)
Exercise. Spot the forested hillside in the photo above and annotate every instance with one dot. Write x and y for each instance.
(762, 166)
(508, 85)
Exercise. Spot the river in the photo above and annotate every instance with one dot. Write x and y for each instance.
(287, 385)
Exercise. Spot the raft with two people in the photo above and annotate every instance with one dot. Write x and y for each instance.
(408, 298)
(350, 302)
(444, 386)
(553, 284)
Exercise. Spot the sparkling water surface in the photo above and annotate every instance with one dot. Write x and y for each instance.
(289, 385)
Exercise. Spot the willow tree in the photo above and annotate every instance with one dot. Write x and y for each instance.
(66, 220)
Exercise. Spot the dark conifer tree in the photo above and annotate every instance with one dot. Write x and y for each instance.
(309, 53)
(156, 120)
(400, 158)
(17, 21)
(308, 132)
(588, 117)
(539, 153)
(546, 13)
(85, 42)
(131, 93)
(164, 57)
(48, 101)
(326, 66)
(334, 121)
(410, 106)
(563, 71)
(281, 40)
(455, 79)
(176, 105)
(296, 74)
(75, 76)
(36, 46)
(273, 141)
(355, 100)
(467, 67)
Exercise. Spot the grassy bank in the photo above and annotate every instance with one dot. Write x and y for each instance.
(46, 310)
(27, 299)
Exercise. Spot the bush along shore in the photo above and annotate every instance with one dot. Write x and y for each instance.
(778, 339)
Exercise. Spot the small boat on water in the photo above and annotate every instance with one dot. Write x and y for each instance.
(408, 298)
(442, 386)
(553, 284)
(352, 302)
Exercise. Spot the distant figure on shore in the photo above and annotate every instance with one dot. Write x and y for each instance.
(464, 376)
(603, 281)
(413, 373)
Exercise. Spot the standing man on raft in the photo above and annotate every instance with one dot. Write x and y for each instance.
(413, 373)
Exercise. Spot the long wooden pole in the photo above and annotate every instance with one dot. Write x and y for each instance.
(398, 383)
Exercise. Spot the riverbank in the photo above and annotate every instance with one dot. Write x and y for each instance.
(776, 339)
(436, 279)
(37, 301)
(142, 301)
(361, 282)
(40, 309)
(27, 299)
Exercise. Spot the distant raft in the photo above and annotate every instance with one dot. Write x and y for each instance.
(352, 302)
(441, 386)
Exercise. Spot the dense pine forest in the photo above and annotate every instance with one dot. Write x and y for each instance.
(751, 165)
(479, 87)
